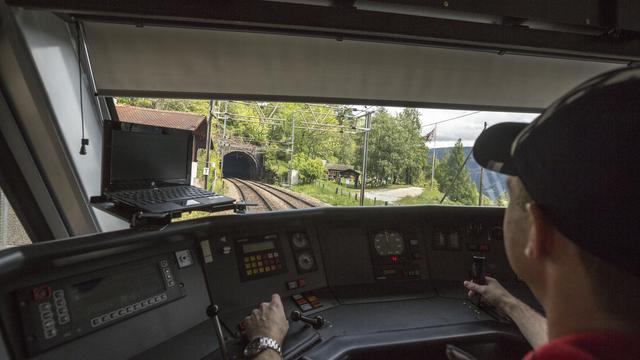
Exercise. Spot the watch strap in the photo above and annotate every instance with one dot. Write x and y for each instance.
(260, 344)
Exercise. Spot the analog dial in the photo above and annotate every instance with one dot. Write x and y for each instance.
(388, 243)
(300, 240)
(305, 261)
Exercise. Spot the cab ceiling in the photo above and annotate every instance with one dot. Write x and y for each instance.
(203, 63)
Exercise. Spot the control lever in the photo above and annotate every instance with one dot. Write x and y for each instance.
(478, 270)
(212, 312)
(317, 322)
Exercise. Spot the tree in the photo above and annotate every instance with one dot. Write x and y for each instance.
(462, 190)
(309, 168)
(397, 151)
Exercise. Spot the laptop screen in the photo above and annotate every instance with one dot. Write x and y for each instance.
(144, 154)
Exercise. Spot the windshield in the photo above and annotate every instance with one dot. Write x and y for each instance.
(280, 156)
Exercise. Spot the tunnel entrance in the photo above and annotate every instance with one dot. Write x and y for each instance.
(241, 165)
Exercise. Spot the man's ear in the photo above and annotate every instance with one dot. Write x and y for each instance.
(539, 241)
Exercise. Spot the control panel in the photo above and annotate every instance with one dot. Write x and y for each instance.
(56, 312)
(303, 253)
(394, 255)
(471, 237)
(259, 257)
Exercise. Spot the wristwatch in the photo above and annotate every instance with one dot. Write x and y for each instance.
(260, 344)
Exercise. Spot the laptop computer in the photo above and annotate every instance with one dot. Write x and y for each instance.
(149, 168)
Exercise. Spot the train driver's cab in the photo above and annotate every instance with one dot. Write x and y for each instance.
(357, 282)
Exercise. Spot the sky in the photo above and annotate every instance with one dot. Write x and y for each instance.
(466, 128)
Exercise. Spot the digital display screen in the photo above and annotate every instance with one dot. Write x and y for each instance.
(139, 155)
(258, 246)
(100, 295)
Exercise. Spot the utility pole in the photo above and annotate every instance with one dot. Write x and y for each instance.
(223, 143)
(433, 164)
(205, 171)
(481, 176)
(363, 184)
(293, 137)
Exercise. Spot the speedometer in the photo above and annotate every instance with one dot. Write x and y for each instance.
(388, 243)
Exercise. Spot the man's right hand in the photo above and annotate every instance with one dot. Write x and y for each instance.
(532, 325)
(492, 294)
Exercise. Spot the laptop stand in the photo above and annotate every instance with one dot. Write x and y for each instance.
(151, 221)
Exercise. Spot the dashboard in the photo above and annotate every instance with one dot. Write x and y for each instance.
(385, 281)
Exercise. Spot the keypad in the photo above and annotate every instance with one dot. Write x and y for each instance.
(260, 263)
(166, 272)
(126, 310)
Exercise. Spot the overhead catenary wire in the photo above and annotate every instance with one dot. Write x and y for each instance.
(450, 119)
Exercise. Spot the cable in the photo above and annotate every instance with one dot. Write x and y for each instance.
(451, 119)
(456, 177)
(83, 141)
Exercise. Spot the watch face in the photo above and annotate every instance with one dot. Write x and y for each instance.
(253, 348)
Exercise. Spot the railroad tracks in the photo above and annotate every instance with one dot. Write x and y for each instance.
(268, 197)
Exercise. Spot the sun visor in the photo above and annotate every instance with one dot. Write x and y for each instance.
(202, 63)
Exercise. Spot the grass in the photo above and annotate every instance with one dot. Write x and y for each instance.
(428, 196)
(325, 191)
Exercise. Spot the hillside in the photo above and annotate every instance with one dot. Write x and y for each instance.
(494, 184)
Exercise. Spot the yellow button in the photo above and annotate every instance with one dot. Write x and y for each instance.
(253, 258)
(259, 257)
(249, 272)
(246, 259)
(311, 298)
(254, 264)
(261, 269)
(259, 263)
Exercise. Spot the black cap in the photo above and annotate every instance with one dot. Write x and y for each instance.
(579, 160)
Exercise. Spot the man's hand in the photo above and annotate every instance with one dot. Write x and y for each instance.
(268, 320)
(532, 325)
(493, 293)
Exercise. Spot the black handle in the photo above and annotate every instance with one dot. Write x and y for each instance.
(478, 270)
(317, 322)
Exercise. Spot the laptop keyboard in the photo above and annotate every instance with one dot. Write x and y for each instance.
(160, 195)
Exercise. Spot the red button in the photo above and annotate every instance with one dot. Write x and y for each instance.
(484, 247)
(302, 282)
(41, 292)
(301, 301)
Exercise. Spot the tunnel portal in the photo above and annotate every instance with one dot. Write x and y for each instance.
(241, 165)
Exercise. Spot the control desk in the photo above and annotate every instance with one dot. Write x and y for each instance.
(369, 283)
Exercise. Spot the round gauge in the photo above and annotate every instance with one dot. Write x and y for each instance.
(388, 243)
(305, 262)
(300, 240)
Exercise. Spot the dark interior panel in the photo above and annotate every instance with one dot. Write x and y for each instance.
(366, 271)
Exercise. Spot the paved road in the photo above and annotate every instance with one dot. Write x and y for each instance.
(392, 195)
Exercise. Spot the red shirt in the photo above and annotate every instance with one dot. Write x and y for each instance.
(590, 346)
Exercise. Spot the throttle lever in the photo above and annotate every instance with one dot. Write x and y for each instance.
(478, 270)
(317, 322)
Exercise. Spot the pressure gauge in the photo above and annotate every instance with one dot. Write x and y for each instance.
(300, 240)
(305, 262)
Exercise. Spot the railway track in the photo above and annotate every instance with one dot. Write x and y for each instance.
(268, 197)
(291, 200)
(250, 194)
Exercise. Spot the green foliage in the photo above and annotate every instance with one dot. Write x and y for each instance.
(463, 191)
(310, 169)
(325, 191)
(397, 151)
(184, 105)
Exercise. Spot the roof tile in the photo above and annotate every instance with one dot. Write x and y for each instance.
(163, 118)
